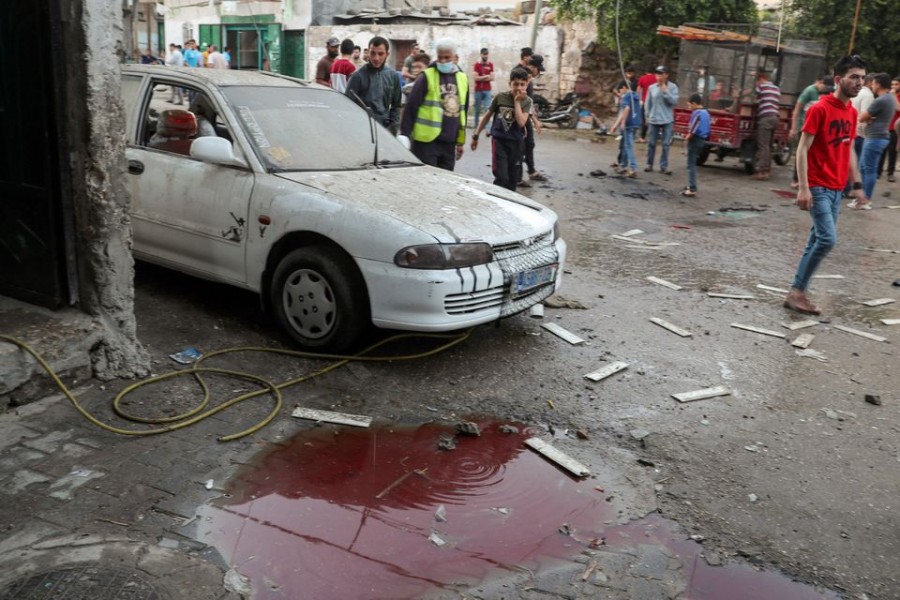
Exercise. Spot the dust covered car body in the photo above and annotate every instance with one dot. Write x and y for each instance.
(289, 189)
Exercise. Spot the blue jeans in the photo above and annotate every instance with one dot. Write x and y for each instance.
(695, 146)
(868, 163)
(826, 206)
(482, 103)
(629, 160)
(654, 132)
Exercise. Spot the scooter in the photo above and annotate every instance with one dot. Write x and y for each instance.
(564, 113)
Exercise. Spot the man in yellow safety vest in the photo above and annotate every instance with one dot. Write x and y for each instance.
(435, 114)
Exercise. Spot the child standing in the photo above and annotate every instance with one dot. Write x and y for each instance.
(698, 134)
(510, 112)
(629, 120)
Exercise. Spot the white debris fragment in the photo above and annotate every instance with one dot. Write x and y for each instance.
(759, 330)
(437, 540)
(702, 394)
(327, 416)
(752, 497)
(610, 369)
(664, 283)
(236, 583)
(440, 515)
(879, 302)
(209, 484)
(563, 333)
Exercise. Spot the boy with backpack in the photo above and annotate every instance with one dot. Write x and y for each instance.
(698, 134)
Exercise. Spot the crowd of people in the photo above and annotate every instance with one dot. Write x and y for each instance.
(427, 102)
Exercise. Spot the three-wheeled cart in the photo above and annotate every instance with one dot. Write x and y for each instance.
(721, 65)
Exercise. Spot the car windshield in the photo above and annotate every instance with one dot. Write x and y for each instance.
(300, 129)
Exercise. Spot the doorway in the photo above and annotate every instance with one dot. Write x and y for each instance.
(249, 46)
(36, 232)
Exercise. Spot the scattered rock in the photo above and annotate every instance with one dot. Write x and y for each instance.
(236, 583)
(646, 463)
(508, 429)
(639, 434)
(873, 399)
(752, 497)
(446, 443)
(468, 428)
(582, 434)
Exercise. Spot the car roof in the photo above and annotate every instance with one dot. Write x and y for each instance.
(223, 77)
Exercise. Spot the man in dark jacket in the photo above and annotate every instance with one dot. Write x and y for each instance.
(377, 85)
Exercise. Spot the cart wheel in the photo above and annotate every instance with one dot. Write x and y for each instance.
(781, 153)
(704, 154)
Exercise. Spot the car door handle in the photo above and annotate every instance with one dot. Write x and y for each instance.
(136, 167)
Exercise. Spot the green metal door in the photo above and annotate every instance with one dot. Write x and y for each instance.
(211, 34)
(293, 59)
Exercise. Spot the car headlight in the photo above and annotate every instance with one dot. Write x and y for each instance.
(444, 256)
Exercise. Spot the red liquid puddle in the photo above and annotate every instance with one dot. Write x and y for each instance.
(343, 512)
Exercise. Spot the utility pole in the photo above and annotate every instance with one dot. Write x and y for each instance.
(538, 5)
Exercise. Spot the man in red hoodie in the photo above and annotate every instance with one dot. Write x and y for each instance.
(824, 160)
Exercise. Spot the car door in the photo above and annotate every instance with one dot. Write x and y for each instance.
(187, 214)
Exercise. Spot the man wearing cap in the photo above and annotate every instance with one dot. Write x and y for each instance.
(659, 111)
(323, 68)
(435, 113)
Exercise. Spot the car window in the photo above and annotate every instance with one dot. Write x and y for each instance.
(303, 129)
(176, 115)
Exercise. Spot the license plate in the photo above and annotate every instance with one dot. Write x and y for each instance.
(528, 280)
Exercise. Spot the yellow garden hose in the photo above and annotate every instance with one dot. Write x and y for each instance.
(199, 413)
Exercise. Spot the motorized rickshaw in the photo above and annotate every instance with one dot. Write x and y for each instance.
(721, 65)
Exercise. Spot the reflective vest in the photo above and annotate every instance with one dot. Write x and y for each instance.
(430, 115)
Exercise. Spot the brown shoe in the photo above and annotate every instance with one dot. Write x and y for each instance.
(762, 175)
(801, 304)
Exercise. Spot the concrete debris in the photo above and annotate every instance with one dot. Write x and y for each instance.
(759, 330)
(810, 353)
(468, 428)
(884, 250)
(557, 301)
(827, 276)
(557, 456)
(803, 340)
(632, 232)
(698, 538)
(702, 394)
(237, 584)
(446, 443)
(500, 509)
(437, 540)
(831, 414)
(664, 283)
(639, 434)
(879, 302)
(440, 515)
(873, 399)
(752, 448)
(508, 429)
(752, 497)
(209, 484)
(890, 321)
(326, 416)
(800, 324)
(731, 296)
(610, 369)
(563, 333)
(673, 328)
(537, 311)
(864, 334)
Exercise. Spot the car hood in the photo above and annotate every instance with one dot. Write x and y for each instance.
(448, 206)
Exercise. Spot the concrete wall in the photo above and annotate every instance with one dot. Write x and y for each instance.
(96, 125)
(504, 43)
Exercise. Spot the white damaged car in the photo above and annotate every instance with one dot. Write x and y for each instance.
(290, 190)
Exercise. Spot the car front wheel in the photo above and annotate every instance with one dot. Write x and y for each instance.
(319, 298)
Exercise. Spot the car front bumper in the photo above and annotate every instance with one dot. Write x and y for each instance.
(446, 300)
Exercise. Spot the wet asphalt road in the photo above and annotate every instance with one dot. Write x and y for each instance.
(795, 433)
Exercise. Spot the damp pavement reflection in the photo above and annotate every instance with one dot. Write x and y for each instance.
(341, 512)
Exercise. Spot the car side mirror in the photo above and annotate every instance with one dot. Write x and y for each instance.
(216, 150)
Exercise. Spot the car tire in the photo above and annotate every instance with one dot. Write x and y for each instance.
(320, 300)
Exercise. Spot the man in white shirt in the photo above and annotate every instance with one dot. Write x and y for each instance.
(216, 60)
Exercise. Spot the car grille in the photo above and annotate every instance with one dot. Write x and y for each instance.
(512, 258)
